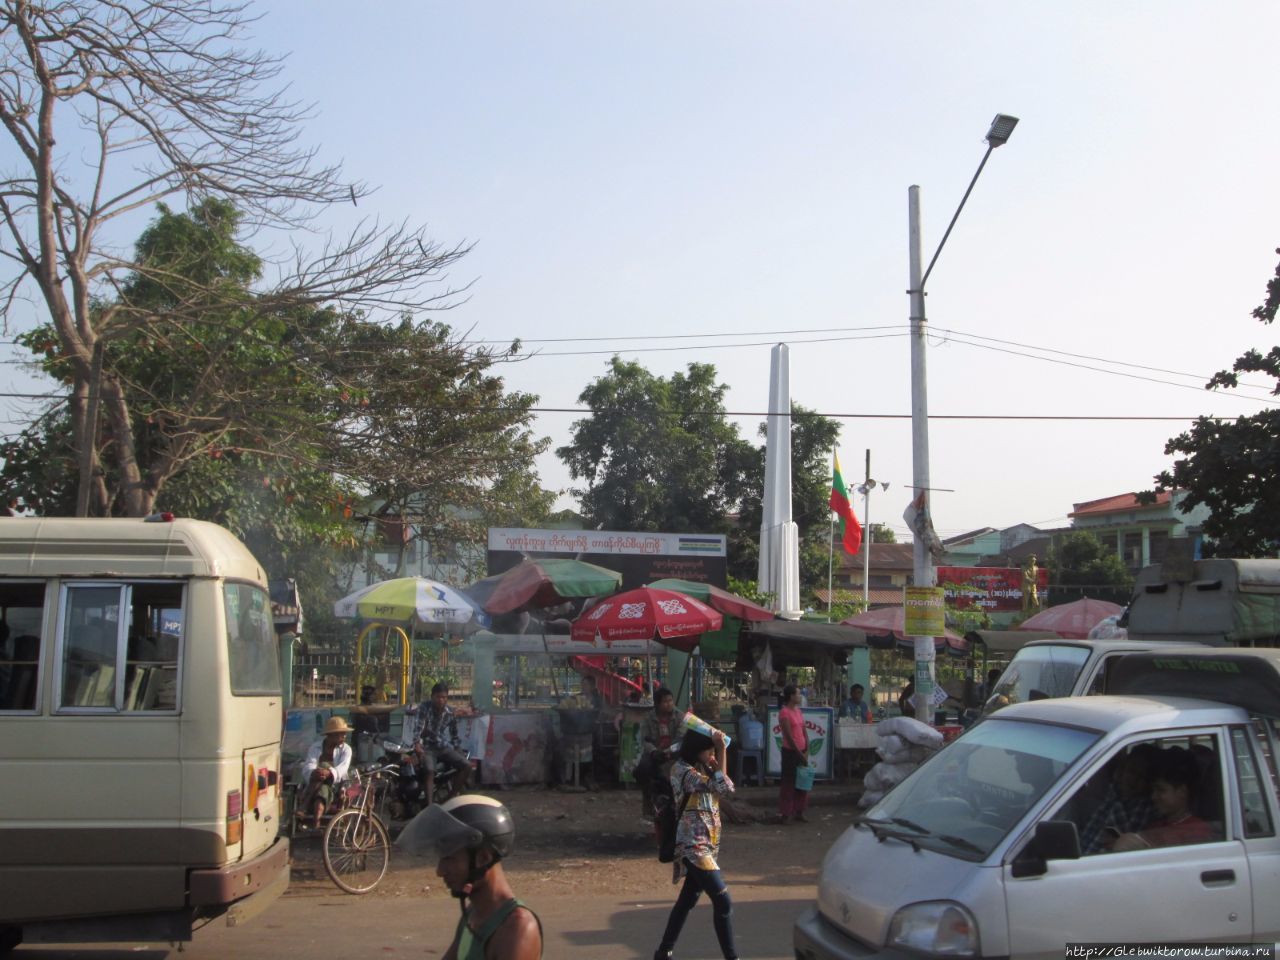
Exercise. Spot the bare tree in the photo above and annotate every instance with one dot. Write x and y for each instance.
(115, 105)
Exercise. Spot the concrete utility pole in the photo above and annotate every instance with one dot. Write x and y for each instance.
(922, 560)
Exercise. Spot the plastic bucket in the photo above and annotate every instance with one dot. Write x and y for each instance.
(751, 731)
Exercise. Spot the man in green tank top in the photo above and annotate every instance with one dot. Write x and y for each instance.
(470, 835)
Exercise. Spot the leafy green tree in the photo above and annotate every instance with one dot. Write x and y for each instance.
(656, 453)
(1233, 467)
(1080, 565)
(883, 534)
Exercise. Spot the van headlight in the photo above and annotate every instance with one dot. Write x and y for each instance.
(939, 927)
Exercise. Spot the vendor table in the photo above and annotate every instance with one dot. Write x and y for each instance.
(855, 747)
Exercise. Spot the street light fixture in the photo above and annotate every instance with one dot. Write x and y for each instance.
(865, 489)
(923, 573)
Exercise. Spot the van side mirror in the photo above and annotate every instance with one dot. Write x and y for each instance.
(1053, 840)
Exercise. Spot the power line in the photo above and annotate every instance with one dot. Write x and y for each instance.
(834, 416)
(1084, 356)
(887, 416)
(696, 336)
(1114, 373)
(699, 346)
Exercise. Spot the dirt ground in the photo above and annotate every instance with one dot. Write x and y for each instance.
(570, 842)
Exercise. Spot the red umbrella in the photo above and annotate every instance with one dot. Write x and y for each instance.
(1074, 620)
(646, 614)
(891, 622)
(717, 599)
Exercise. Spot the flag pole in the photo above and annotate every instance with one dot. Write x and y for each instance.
(866, 540)
(831, 549)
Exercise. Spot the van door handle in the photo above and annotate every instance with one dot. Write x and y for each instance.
(1218, 878)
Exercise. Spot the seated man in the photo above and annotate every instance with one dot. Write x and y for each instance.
(855, 707)
(1125, 806)
(1173, 793)
(324, 770)
(438, 733)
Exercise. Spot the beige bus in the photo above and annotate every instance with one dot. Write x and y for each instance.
(140, 722)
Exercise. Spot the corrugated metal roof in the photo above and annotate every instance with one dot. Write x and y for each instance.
(1116, 504)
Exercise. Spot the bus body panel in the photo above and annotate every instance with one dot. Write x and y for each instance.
(111, 809)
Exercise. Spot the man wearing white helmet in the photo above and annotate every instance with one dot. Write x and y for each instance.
(469, 836)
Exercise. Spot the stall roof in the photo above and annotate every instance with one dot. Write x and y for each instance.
(835, 635)
(803, 640)
(1008, 641)
(1245, 677)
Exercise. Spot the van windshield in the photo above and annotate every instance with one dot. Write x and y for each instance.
(965, 800)
(1038, 673)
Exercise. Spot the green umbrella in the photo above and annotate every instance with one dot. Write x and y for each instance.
(546, 582)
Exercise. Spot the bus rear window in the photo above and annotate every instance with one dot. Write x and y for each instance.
(251, 641)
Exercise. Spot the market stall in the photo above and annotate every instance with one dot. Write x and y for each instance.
(768, 649)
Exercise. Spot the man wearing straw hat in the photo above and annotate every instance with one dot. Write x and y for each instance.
(324, 770)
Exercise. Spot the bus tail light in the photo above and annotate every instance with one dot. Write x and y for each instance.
(235, 821)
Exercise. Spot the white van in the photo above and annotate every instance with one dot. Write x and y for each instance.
(140, 711)
(995, 847)
(1042, 669)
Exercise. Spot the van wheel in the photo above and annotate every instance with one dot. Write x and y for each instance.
(10, 937)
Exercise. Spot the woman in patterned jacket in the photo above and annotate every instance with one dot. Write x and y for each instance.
(698, 781)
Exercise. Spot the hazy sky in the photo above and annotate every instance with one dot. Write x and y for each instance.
(739, 170)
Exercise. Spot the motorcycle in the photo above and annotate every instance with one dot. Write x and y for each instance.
(409, 795)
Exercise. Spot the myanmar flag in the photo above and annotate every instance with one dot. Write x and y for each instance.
(850, 528)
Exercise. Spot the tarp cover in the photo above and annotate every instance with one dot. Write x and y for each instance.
(1226, 602)
(1247, 678)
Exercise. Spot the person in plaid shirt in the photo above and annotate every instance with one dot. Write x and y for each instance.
(438, 738)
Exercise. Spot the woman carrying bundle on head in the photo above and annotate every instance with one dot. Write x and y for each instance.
(698, 781)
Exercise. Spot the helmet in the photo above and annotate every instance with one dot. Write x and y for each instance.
(469, 821)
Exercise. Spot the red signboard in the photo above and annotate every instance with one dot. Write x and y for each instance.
(993, 589)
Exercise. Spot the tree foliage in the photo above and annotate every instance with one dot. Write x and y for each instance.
(1080, 565)
(658, 453)
(1233, 467)
(111, 106)
(285, 425)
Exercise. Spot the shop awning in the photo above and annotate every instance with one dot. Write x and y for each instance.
(1006, 642)
(799, 641)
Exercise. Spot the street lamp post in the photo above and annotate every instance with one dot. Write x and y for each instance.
(865, 489)
(922, 560)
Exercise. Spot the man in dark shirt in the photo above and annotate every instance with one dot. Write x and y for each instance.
(438, 733)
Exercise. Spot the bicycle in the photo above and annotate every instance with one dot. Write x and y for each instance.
(357, 847)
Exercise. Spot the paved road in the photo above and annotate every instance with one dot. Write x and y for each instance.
(600, 927)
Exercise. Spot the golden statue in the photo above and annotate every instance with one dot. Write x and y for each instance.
(1030, 585)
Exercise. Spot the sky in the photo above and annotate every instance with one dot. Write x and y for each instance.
(699, 181)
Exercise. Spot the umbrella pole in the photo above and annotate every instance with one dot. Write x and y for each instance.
(555, 687)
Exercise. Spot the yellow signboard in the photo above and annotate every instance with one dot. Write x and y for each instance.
(925, 611)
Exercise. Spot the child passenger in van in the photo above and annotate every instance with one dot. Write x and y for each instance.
(1174, 783)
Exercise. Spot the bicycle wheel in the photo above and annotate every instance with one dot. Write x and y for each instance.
(356, 851)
